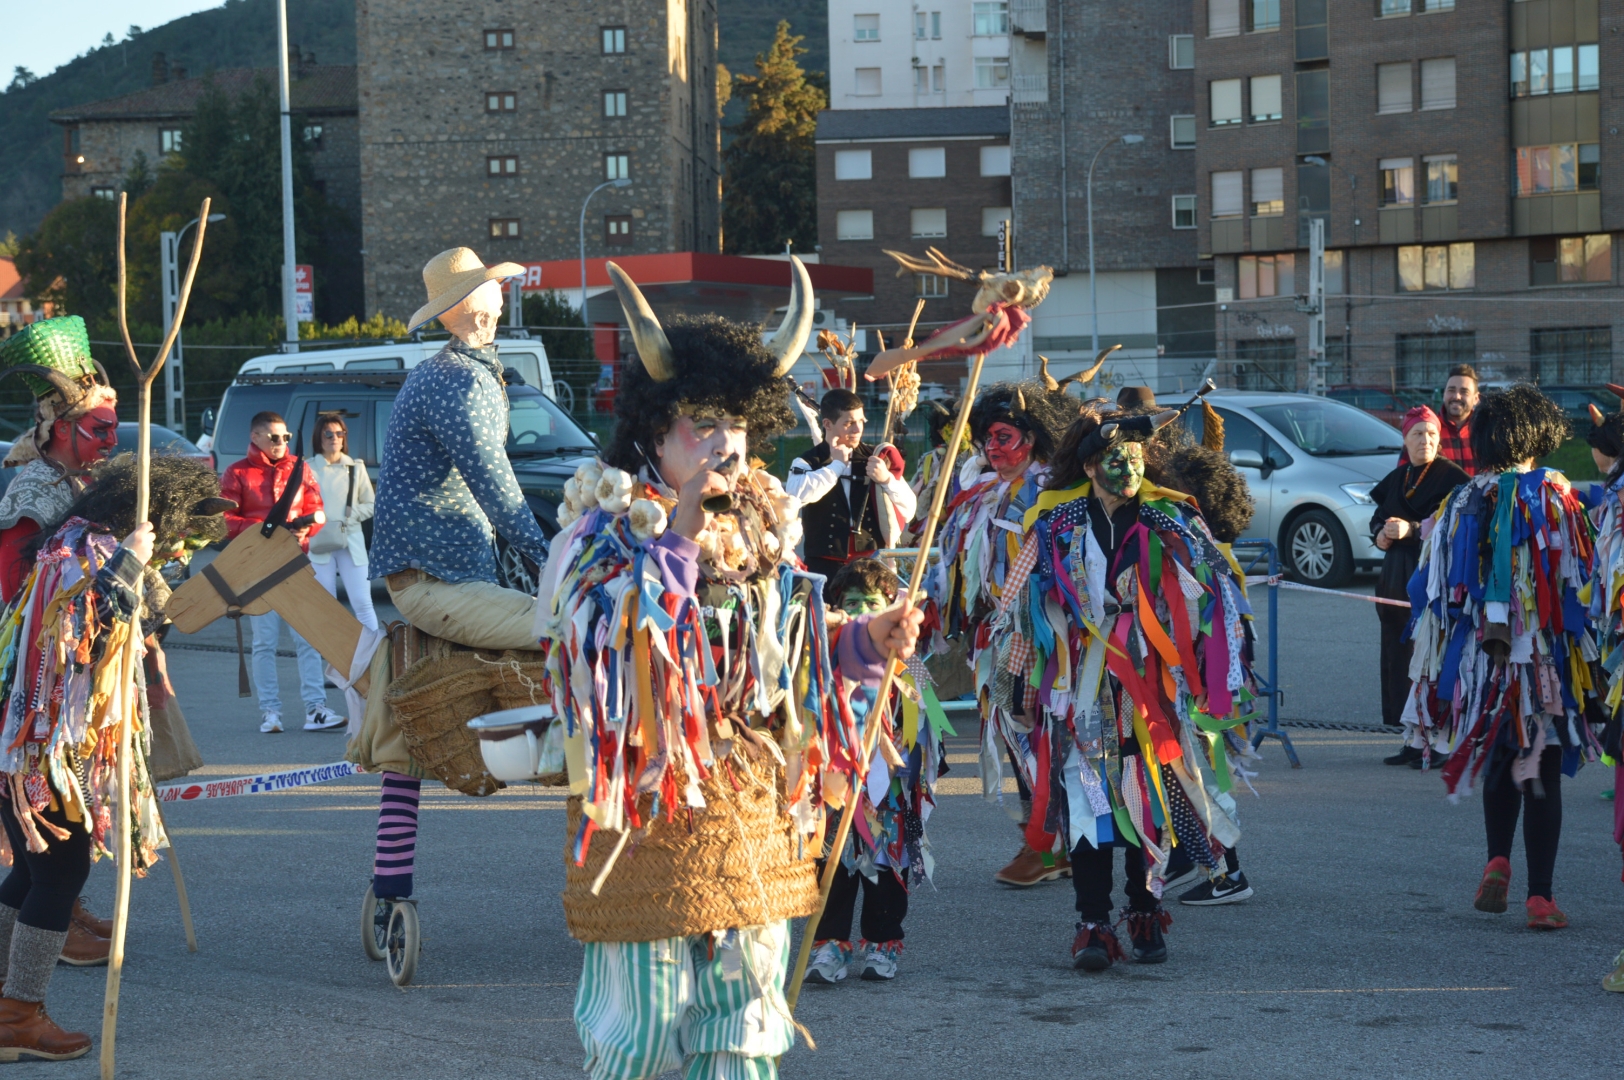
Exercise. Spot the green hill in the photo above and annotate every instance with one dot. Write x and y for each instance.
(242, 33)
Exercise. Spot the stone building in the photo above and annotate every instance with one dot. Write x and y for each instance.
(488, 123)
(1459, 156)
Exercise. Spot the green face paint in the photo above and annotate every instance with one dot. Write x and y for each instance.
(861, 603)
(1122, 470)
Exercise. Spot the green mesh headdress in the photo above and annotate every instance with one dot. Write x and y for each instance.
(58, 345)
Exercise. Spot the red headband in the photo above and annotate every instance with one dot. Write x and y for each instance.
(1421, 414)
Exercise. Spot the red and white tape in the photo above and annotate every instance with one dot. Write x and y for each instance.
(1280, 582)
(263, 784)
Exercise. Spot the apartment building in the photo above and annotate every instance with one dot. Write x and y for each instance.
(1457, 152)
(915, 54)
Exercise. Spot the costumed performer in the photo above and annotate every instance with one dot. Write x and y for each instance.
(888, 852)
(66, 690)
(1140, 642)
(701, 706)
(854, 499)
(445, 489)
(1504, 649)
(938, 422)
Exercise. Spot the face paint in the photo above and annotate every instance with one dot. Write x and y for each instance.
(1008, 449)
(1122, 469)
(95, 434)
(856, 602)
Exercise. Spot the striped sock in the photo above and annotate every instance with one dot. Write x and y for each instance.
(397, 836)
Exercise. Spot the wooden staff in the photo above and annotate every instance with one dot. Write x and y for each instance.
(143, 379)
(882, 701)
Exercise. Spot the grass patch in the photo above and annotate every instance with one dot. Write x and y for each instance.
(1573, 460)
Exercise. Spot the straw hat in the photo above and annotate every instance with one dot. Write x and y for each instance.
(451, 276)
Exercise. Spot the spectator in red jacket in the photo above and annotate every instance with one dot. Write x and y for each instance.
(254, 484)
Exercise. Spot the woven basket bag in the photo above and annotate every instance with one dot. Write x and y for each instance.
(735, 863)
(436, 696)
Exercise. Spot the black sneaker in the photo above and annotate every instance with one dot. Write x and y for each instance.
(1406, 756)
(1222, 889)
(1094, 947)
(1181, 870)
(1145, 930)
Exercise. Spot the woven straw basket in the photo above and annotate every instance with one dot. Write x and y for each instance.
(435, 697)
(739, 864)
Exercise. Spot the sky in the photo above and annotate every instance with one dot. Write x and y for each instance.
(43, 36)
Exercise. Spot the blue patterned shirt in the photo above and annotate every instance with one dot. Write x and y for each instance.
(445, 478)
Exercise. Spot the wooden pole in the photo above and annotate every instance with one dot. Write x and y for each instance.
(180, 896)
(882, 700)
(126, 698)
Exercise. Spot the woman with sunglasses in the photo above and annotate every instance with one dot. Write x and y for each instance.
(340, 549)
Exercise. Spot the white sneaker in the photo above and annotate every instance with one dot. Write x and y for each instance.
(271, 724)
(880, 960)
(321, 718)
(829, 960)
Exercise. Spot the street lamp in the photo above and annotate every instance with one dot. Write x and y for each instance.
(1093, 293)
(174, 379)
(619, 182)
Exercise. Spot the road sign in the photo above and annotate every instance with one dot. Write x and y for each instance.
(304, 292)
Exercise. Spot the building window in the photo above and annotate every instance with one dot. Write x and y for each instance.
(1441, 186)
(1570, 260)
(930, 286)
(614, 40)
(496, 40)
(1180, 51)
(506, 165)
(928, 24)
(1561, 70)
(868, 82)
(1181, 131)
(1205, 275)
(854, 164)
(1436, 267)
(994, 161)
(1260, 365)
(617, 229)
(1184, 211)
(865, 28)
(1390, 8)
(614, 103)
(927, 162)
(994, 216)
(1438, 5)
(1225, 97)
(1265, 98)
(104, 193)
(1393, 88)
(1580, 356)
(169, 140)
(1542, 170)
(854, 225)
(504, 228)
(499, 101)
(924, 224)
(1398, 181)
(312, 136)
(1438, 83)
(1258, 276)
(989, 19)
(1333, 273)
(1226, 194)
(616, 165)
(1223, 18)
(992, 72)
(1424, 360)
(1268, 193)
(1263, 15)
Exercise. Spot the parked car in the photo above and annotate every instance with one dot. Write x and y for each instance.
(544, 444)
(1310, 463)
(519, 351)
(1576, 401)
(164, 441)
(1388, 406)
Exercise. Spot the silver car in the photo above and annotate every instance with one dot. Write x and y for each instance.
(1311, 463)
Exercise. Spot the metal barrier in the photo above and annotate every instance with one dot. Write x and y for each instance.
(1271, 686)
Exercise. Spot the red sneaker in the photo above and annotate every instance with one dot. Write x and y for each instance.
(1491, 894)
(1543, 914)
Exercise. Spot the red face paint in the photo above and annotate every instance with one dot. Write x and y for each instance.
(1008, 450)
(95, 434)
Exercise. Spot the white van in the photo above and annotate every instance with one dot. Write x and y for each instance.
(525, 354)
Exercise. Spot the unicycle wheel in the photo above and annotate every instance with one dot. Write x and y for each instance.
(374, 926)
(404, 942)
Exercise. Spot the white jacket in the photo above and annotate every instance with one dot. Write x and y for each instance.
(346, 496)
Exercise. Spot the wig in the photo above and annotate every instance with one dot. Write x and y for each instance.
(1068, 469)
(1027, 406)
(184, 500)
(721, 366)
(868, 576)
(1514, 425)
(1216, 485)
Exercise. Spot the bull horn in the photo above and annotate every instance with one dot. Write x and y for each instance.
(790, 342)
(212, 506)
(1596, 418)
(1617, 389)
(105, 380)
(653, 347)
(70, 390)
(1049, 383)
(1020, 402)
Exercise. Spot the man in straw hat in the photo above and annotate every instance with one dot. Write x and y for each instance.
(690, 663)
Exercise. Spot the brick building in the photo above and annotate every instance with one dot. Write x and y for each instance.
(1457, 155)
(487, 124)
(1088, 75)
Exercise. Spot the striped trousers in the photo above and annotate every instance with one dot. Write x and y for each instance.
(647, 1007)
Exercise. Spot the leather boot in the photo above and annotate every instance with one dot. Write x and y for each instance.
(26, 1031)
(85, 948)
(1030, 867)
(90, 921)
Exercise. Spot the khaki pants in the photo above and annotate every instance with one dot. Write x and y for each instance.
(478, 614)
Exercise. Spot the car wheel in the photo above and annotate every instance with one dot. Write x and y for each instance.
(1315, 550)
(514, 570)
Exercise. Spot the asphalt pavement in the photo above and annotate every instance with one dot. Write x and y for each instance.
(1360, 954)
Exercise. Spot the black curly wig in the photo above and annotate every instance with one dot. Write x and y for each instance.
(1217, 486)
(179, 489)
(722, 366)
(869, 576)
(1513, 425)
(1046, 416)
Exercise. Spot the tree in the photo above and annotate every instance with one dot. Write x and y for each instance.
(569, 352)
(138, 180)
(71, 260)
(21, 77)
(769, 175)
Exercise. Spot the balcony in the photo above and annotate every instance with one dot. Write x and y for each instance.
(1228, 235)
(1567, 212)
(1029, 17)
(1269, 233)
(1029, 89)
(1396, 224)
